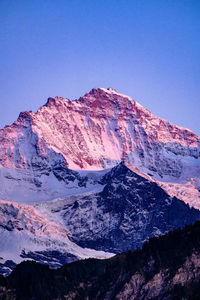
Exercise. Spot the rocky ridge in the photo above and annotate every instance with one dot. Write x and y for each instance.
(127, 212)
(99, 172)
(96, 132)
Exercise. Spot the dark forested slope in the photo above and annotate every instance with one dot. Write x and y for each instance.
(167, 267)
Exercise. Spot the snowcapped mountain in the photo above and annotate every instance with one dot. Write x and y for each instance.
(99, 172)
(95, 132)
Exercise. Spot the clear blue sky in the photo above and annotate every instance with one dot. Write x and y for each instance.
(148, 49)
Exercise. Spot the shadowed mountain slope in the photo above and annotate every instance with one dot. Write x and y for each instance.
(165, 268)
(129, 210)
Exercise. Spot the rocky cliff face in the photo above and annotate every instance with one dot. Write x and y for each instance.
(103, 124)
(127, 212)
(95, 132)
(114, 172)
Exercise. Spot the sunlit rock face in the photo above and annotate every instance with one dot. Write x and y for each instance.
(114, 172)
(96, 132)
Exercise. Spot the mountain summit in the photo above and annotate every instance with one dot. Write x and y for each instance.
(96, 132)
(96, 174)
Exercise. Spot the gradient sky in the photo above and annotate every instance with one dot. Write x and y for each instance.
(148, 49)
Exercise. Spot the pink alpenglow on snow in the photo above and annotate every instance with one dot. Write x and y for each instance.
(99, 130)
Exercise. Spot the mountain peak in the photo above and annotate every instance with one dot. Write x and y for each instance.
(25, 117)
(111, 90)
(98, 131)
(53, 101)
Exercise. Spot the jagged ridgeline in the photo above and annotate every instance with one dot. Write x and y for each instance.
(93, 177)
(95, 132)
(166, 267)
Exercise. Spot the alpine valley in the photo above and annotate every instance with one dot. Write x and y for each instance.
(93, 177)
